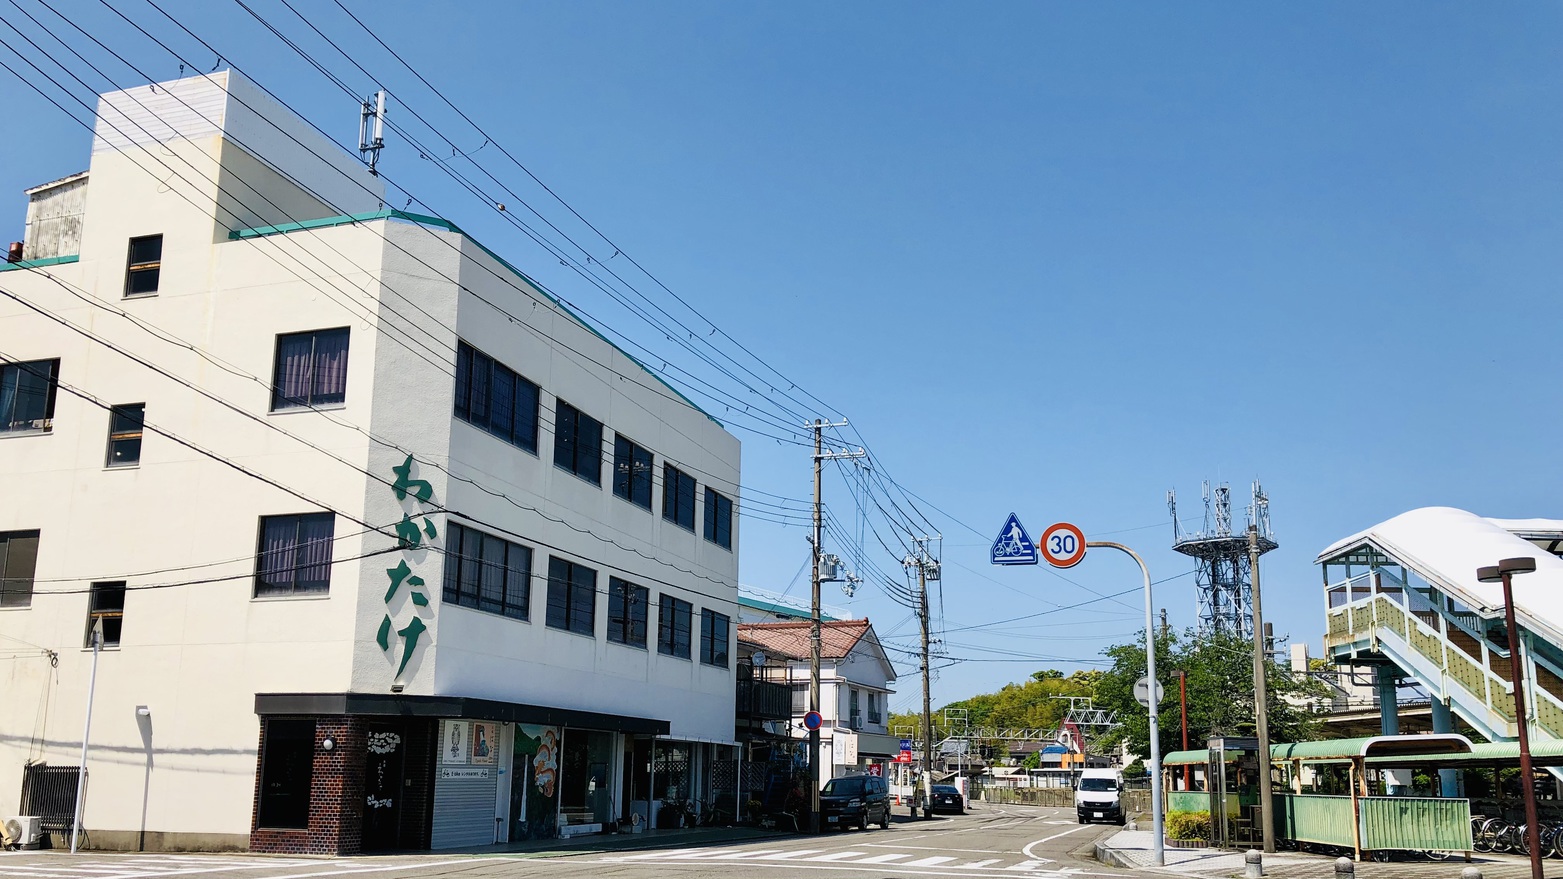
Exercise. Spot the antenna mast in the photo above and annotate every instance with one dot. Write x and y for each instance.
(372, 139)
(1225, 575)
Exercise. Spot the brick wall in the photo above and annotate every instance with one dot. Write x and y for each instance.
(336, 800)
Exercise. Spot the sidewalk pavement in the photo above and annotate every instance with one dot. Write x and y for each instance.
(689, 837)
(1132, 849)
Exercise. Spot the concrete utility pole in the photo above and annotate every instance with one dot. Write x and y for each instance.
(1261, 699)
(820, 455)
(920, 559)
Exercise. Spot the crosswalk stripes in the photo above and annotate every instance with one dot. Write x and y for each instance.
(846, 857)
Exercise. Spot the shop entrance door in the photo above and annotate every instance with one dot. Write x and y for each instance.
(384, 773)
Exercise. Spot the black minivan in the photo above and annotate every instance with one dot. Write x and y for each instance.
(857, 800)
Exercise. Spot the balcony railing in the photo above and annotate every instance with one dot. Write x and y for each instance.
(875, 717)
(763, 700)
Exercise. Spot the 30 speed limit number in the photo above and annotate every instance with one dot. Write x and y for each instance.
(1063, 545)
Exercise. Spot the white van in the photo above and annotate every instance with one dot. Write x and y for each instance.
(1099, 796)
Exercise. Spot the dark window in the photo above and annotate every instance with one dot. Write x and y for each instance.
(18, 561)
(287, 768)
(27, 395)
(487, 573)
(295, 554)
(578, 442)
(311, 370)
(678, 496)
(572, 597)
(673, 618)
(144, 265)
(800, 698)
(713, 637)
(631, 472)
(495, 398)
(719, 519)
(627, 604)
(106, 604)
(125, 434)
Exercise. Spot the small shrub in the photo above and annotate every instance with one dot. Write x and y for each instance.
(1188, 825)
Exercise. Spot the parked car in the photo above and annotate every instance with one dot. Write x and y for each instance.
(855, 800)
(947, 798)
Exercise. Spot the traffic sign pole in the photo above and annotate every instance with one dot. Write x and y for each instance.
(1158, 852)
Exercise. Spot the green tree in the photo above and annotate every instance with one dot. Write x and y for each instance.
(1220, 692)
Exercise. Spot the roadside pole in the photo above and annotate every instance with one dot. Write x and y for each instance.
(1261, 700)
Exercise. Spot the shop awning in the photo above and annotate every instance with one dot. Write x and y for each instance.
(454, 707)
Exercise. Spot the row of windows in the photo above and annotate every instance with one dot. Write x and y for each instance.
(310, 370)
(497, 399)
(481, 571)
(492, 574)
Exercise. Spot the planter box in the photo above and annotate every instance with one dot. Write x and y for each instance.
(1187, 843)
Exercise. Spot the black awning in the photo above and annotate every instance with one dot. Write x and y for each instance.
(395, 705)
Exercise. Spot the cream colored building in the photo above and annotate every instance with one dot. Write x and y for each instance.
(390, 549)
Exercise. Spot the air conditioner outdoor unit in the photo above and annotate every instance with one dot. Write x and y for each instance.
(24, 831)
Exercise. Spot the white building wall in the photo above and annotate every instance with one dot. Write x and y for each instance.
(196, 654)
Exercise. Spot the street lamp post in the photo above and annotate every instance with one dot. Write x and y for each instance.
(1158, 855)
(1503, 572)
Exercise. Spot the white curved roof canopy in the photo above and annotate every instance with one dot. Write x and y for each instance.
(1445, 546)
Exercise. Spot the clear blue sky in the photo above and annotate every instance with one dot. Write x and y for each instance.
(1049, 258)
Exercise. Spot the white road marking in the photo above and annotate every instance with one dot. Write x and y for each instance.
(837, 856)
(977, 865)
(94, 870)
(928, 862)
(798, 853)
(929, 848)
(1027, 850)
(734, 856)
(885, 859)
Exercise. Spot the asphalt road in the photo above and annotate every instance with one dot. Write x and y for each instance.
(989, 841)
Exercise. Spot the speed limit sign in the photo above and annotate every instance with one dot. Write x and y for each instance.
(1063, 545)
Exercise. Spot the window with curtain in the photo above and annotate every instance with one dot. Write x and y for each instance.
(719, 519)
(27, 395)
(310, 370)
(295, 555)
(678, 497)
(572, 597)
(496, 398)
(487, 573)
(673, 621)
(627, 606)
(713, 637)
(578, 442)
(631, 472)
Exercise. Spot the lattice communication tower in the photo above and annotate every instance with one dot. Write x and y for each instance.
(1225, 582)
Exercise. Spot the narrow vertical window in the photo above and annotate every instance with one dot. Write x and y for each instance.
(310, 370)
(572, 597)
(125, 434)
(719, 519)
(143, 265)
(631, 472)
(678, 497)
(713, 637)
(627, 604)
(287, 769)
(106, 605)
(673, 620)
(27, 395)
(578, 442)
(18, 566)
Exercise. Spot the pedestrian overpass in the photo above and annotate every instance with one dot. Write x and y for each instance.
(1402, 597)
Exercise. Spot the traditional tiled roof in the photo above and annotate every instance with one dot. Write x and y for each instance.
(791, 640)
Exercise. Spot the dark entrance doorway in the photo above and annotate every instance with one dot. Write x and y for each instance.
(384, 780)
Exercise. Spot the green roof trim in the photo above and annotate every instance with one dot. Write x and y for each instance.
(1380, 749)
(427, 220)
(782, 609)
(38, 263)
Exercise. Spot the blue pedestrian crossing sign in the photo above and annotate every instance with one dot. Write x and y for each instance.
(1013, 546)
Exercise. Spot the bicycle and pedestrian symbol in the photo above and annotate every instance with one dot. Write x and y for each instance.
(1013, 546)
